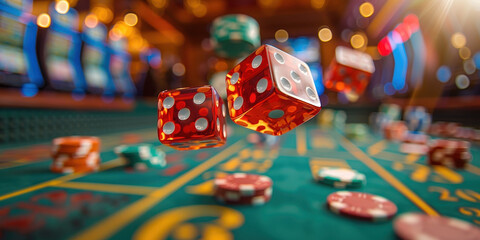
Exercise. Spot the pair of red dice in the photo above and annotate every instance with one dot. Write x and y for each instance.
(270, 92)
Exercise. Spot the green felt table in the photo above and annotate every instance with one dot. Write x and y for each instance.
(176, 202)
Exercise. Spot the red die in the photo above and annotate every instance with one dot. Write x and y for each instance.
(349, 72)
(271, 92)
(191, 118)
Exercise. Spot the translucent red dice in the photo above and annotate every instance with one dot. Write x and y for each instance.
(191, 118)
(271, 92)
(349, 72)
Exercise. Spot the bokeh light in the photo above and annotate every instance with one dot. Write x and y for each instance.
(358, 40)
(91, 20)
(178, 69)
(458, 40)
(469, 66)
(462, 81)
(317, 4)
(281, 35)
(476, 59)
(159, 3)
(62, 6)
(444, 73)
(130, 19)
(325, 34)
(103, 14)
(464, 53)
(366, 9)
(44, 20)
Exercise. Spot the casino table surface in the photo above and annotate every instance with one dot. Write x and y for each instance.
(176, 202)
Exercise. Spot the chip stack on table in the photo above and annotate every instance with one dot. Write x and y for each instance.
(392, 111)
(410, 226)
(395, 131)
(243, 188)
(234, 36)
(451, 153)
(378, 121)
(141, 156)
(417, 118)
(361, 205)
(355, 130)
(415, 143)
(75, 154)
(340, 177)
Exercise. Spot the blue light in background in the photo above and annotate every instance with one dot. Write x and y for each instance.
(476, 59)
(444, 73)
(400, 58)
(389, 89)
(29, 90)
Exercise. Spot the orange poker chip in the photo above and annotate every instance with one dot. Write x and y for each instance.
(75, 154)
(91, 160)
(77, 169)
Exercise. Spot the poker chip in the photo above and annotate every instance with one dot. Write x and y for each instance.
(361, 205)
(340, 177)
(417, 118)
(243, 188)
(395, 131)
(141, 156)
(409, 226)
(235, 35)
(355, 130)
(75, 154)
(451, 153)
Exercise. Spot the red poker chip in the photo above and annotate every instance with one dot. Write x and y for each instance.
(409, 226)
(254, 200)
(361, 205)
(243, 183)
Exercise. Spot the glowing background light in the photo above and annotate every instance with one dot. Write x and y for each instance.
(462, 81)
(384, 47)
(358, 40)
(366, 9)
(464, 53)
(91, 20)
(281, 35)
(458, 40)
(444, 74)
(317, 4)
(325, 34)
(476, 59)
(43, 20)
(62, 7)
(130, 19)
(469, 66)
(178, 69)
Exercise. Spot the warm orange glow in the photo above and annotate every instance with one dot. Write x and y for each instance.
(317, 4)
(281, 35)
(458, 40)
(43, 20)
(221, 66)
(366, 9)
(325, 34)
(103, 14)
(340, 86)
(91, 20)
(62, 6)
(358, 40)
(130, 19)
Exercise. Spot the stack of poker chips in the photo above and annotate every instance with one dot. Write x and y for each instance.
(378, 121)
(451, 153)
(415, 143)
(141, 156)
(75, 154)
(392, 111)
(340, 177)
(454, 130)
(355, 130)
(417, 118)
(234, 36)
(243, 188)
(361, 205)
(395, 131)
(423, 226)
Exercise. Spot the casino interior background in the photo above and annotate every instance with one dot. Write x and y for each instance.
(72, 67)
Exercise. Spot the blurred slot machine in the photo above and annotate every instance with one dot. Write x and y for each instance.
(62, 52)
(96, 60)
(18, 34)
(120, 68)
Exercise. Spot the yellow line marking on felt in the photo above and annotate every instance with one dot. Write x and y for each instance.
(59, 180)
(412, 158)
(118, 220)
(114, 188)
(448, 174)
(377, 147)
(387, 176)
(473, 169)
(301, 141)
(420, 174)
